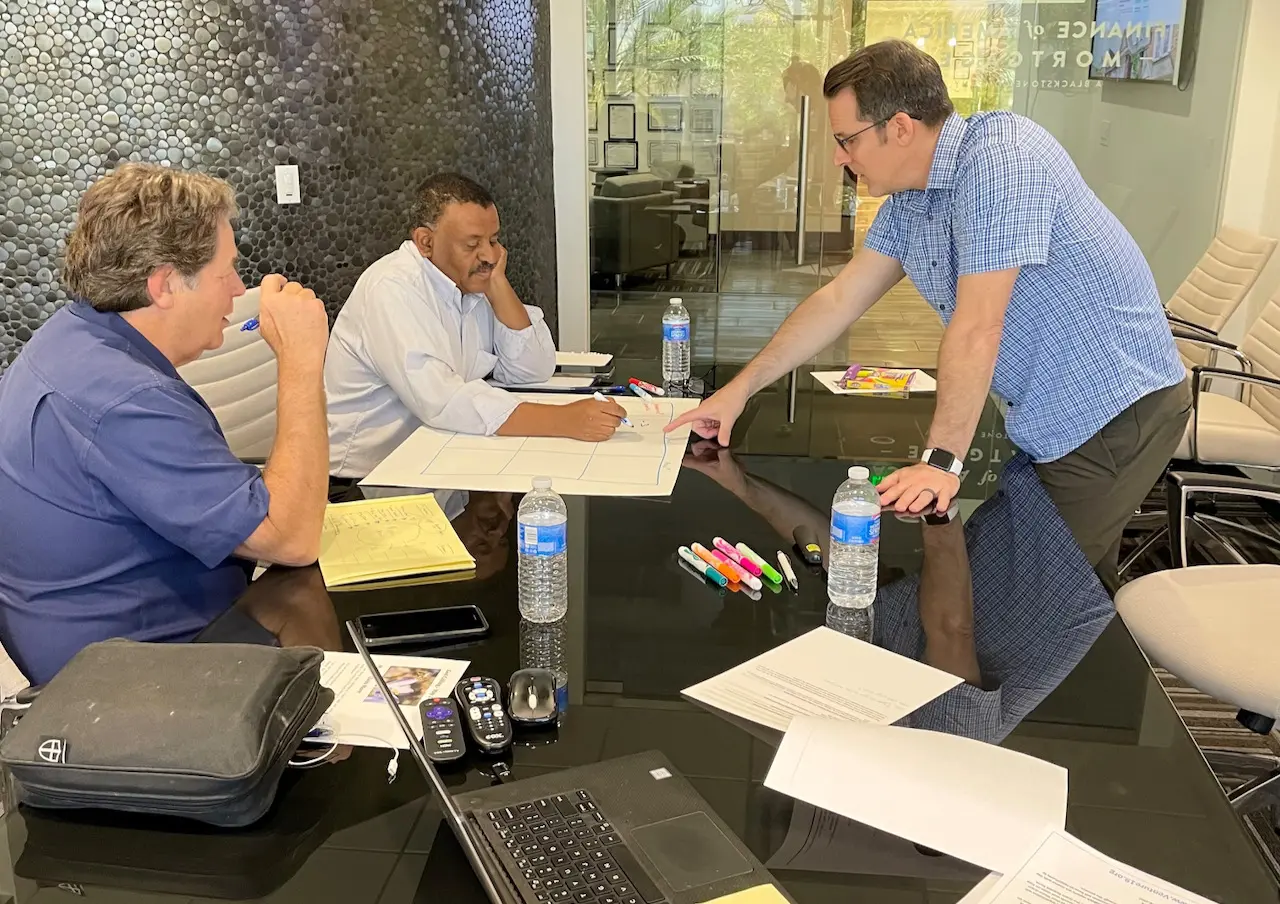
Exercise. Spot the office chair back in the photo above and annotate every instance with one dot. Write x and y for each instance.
(1262, 347)
(1219, 283)
(238, 381)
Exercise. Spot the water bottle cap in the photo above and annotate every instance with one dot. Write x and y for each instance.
(544, 483)
(859, 473)
(676, 300)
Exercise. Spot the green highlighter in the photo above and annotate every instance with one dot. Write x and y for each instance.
(765, 568)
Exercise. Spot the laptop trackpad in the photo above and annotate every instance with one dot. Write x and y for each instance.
(690, 851)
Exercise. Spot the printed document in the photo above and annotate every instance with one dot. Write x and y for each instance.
(1062, 869)
(358, 714)
(374, 539)
(975, 801)
(828, 674)
(638, 460)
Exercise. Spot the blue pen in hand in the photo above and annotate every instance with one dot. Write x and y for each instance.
(250, 324)
(600, 398)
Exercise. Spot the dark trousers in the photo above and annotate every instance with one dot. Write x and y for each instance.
(1098, 487)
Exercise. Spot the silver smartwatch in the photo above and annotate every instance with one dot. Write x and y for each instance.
(943, 461)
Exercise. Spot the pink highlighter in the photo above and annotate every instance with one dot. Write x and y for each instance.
(743, 576)
(737, 558)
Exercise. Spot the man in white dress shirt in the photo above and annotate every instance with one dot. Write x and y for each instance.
(426, 325)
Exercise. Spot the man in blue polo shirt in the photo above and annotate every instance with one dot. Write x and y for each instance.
(121, 505)
(1047, 299)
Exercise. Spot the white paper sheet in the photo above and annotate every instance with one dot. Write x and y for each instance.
(639, 460)
(981, 803)
(359, 717)
(828, 674)
(582, 359)
(1062, 869)
(557, 383)
(921, 382)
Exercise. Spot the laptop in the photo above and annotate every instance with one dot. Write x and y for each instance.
(628, 830)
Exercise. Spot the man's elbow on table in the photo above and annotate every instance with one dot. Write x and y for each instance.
(270, 543)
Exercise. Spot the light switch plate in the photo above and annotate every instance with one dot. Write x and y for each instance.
(288, 191)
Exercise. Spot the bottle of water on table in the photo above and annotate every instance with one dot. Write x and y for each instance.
(675, 343)
(855, 542)
(541, 526)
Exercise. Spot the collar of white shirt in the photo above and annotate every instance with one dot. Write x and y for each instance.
(442, 286)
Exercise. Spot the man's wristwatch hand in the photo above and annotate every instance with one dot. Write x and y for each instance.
(942, 460)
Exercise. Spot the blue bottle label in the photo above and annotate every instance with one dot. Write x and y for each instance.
(675, 332)
(543, 540)
(856, 529)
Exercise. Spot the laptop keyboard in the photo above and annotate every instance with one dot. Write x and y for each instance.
(567, 852)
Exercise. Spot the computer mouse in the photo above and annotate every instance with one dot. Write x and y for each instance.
(531, 697)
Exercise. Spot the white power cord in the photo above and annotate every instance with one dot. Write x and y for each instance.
(332, 740)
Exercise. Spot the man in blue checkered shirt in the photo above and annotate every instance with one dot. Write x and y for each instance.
(1046, 298)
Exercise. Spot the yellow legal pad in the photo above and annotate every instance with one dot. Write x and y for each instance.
(761, 894)
(376, 539)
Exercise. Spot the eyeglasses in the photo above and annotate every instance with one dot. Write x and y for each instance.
(848, 139)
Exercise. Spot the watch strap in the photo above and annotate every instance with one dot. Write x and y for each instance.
(943, 461)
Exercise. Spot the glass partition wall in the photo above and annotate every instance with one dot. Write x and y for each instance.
(711, 166)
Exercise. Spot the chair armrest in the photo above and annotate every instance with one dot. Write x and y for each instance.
(1255, 379)
(260, 462)
(1180, 486)
(1189, 324)
(1214, 344)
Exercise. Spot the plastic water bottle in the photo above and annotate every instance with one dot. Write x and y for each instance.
(545, 646)
(675, 342)
(859, 623)
(855, 542)
(541, 525)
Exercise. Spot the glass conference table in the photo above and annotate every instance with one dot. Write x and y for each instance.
(1049, 671)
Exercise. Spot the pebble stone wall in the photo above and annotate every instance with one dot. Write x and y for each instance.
(368, 97)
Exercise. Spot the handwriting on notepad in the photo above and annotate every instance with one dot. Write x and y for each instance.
(761, 894)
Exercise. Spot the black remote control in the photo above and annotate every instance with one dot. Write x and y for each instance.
(442, 730)
(480, 700)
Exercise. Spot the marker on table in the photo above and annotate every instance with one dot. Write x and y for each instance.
(737, 557)
(711, 574)
(701, 578)
(647, 387)
(635, 387)
(249, 325)
(790, 572)
(600, 398)
(703, 553)
(743, 576)
(755, 559)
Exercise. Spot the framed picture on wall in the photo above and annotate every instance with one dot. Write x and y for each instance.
(613, 45)
(591, 45)
(593, 152)
(622, 122)
(593, 116)
(963, 50)
(591, 83)
(619, 82)
(621, 155)
(706, 159)
(666, 116)
(702, 120)
(664, 82)
(962, 70)
(664, 152)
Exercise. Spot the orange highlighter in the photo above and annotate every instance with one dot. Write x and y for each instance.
(705, 555)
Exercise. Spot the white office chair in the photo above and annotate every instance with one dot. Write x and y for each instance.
(238, 381)
(1216, 627)
(1226, 432)
(1213, 291)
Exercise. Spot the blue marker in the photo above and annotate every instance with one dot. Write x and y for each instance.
(600, 398)
(250, 324)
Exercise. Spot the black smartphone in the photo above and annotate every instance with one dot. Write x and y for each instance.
(423, 626)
